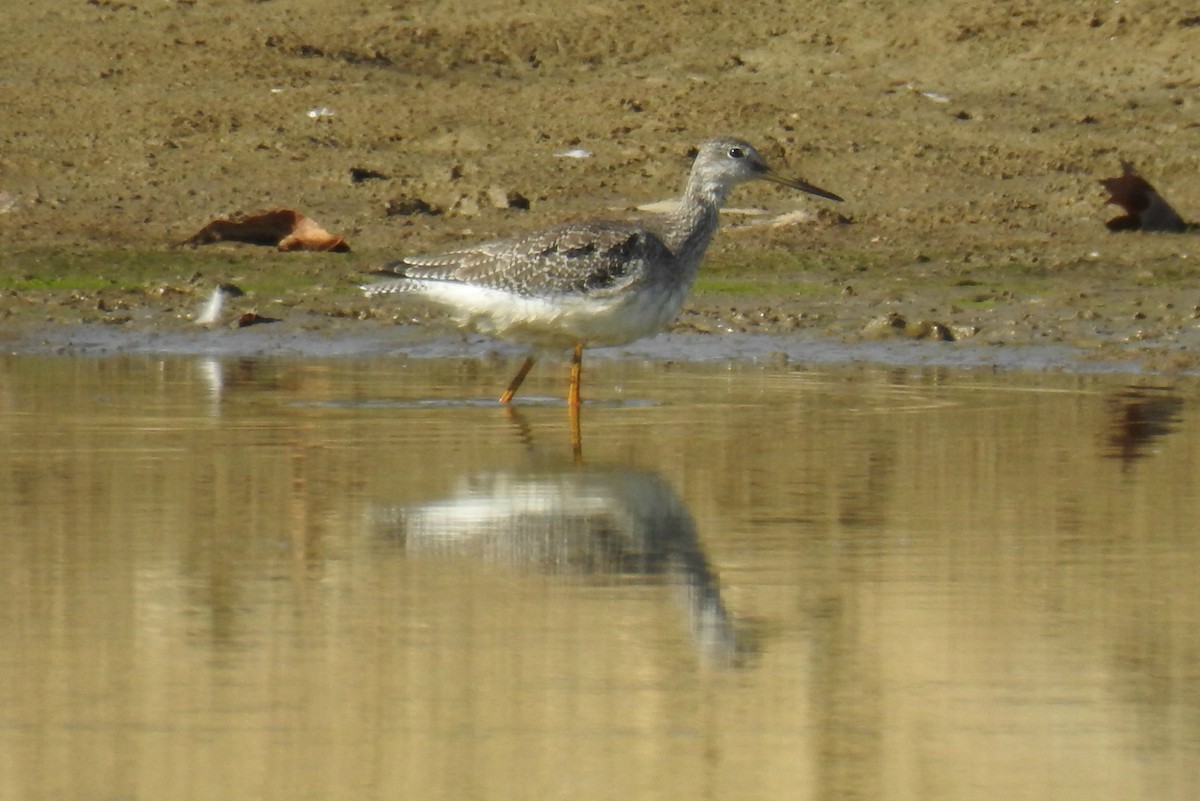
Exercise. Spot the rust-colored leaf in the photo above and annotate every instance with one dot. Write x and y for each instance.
(1145, 209)
(286, 229)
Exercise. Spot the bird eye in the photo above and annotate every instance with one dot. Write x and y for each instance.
(737, 153)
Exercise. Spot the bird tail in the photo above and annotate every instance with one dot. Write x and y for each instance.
(399, 280)
(392, 287)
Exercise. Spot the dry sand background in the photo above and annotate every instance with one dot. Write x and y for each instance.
(967, 137)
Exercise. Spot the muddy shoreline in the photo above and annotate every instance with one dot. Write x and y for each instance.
(969, 141)
(308, 337)
(929, 312)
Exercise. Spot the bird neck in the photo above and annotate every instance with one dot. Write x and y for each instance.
(691, 225)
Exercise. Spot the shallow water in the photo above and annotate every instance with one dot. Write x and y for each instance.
(270, 578)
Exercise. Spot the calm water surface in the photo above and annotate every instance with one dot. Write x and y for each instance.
(270, 579)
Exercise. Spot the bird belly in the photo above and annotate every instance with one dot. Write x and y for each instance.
(562, 320)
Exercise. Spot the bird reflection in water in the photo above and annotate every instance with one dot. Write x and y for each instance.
(1138, 417)
(578, 522)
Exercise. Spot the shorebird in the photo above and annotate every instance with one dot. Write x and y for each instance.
(591, 283)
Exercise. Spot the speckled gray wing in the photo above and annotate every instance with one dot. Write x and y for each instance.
(592, 259)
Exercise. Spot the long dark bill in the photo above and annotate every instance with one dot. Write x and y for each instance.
(803, 186)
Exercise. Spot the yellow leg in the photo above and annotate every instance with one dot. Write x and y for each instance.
(573, 403)
(515, 384)
(576, 372)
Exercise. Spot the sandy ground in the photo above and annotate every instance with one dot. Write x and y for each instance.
(967, 137)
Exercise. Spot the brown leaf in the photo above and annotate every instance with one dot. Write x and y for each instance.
(284, 228)
(1145, 209)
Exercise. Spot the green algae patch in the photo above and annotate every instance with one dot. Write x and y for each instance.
(133, 270)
